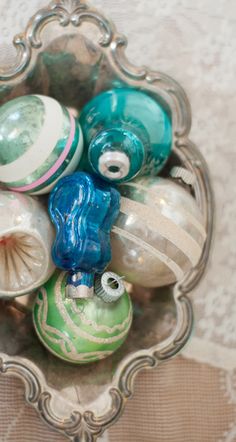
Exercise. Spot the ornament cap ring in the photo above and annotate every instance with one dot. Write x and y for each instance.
(109, 287)
(114, 165)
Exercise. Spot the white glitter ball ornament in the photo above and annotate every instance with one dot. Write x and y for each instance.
(26, 237)
(159, 234)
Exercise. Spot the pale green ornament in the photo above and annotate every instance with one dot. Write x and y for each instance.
(81, 330)
(40, 142)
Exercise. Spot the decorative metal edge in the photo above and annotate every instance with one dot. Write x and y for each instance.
(64, 12)
(87, 427)
(194, 161)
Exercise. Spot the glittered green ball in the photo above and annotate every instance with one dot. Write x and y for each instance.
(79, 330)
(40, 142)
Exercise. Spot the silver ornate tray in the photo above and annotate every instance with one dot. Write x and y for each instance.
(72, 52)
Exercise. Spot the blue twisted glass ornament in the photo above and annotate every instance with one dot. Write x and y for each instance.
(126, 132)
(83, 209)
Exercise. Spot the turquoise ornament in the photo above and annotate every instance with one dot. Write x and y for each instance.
(83, 209)
(40, 141)
(80, 330)
(126, 132)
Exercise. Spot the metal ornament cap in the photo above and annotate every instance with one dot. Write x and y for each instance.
(183, 174)
(80, 286)
(109, 287)
(114, 165)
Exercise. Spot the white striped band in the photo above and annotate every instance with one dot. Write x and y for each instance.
(39, 152)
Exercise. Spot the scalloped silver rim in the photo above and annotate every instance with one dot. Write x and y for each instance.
(86, 427)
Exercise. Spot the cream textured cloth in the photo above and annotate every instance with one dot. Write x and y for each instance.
(184, 400)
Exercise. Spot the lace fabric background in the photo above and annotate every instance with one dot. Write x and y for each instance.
(194, 42)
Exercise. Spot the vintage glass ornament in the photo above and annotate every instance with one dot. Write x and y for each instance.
(80, 330)
(83, 209)
(40, 141)
(159, 234)
(26, 237)
(126, 132)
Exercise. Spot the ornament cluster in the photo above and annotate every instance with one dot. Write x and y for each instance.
(103, 215)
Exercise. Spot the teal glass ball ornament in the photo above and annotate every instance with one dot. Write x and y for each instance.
(126, 132)
(82, 330)
(40, 141)
(159, 234)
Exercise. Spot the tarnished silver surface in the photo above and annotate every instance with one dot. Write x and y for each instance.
(72, 52)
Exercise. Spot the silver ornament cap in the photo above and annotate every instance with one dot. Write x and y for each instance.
(180, 173)
(114, 165)
(77, 288)
(109, 287)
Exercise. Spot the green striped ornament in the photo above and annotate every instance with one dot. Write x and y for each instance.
(40, 141)
(79, 330)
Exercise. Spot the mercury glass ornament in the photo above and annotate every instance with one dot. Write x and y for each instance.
(40, 141)
(126, 132)
(83, 209)
(26, 237)
(159, 234)
(80, 330)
